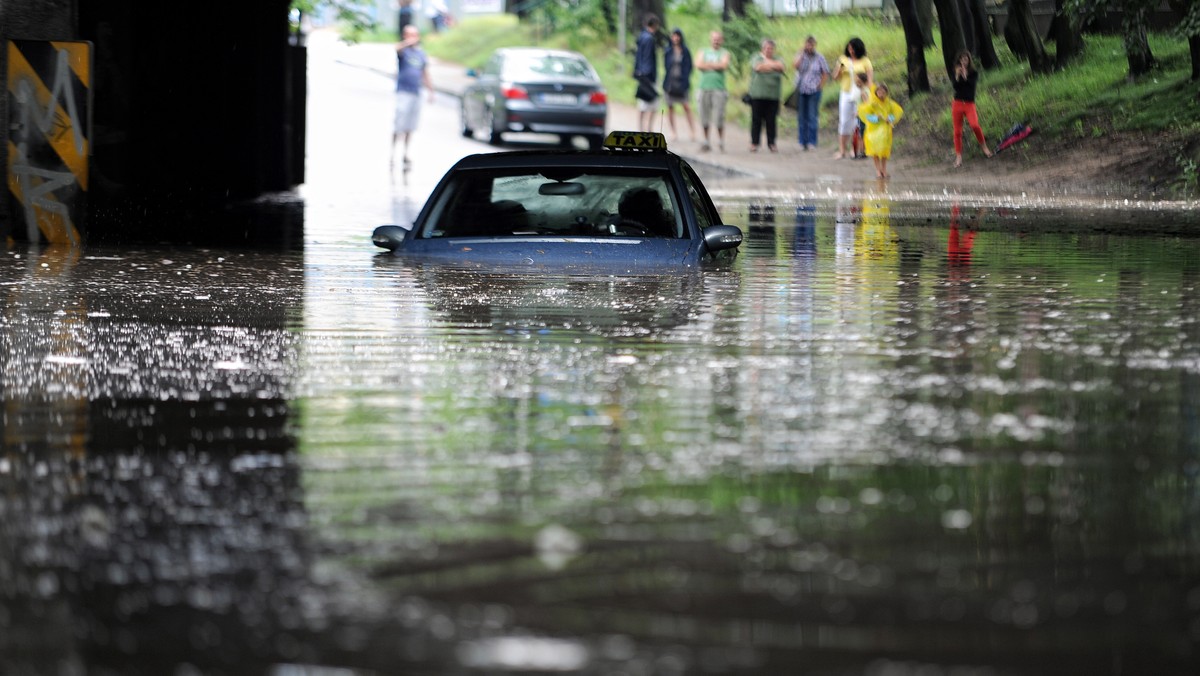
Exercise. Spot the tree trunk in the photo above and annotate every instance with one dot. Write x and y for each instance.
(1190, 11)
(984, 48)
(1194, 48)
(637, 10)
(611, 13)
(1137, 51)
(734, 8)
(1029, 40)
(1067, 32)
(968, 25)
(1137, 45)
(518, 7)
(1012, 37)
(953, 38)
(925, 14)
(918, 72)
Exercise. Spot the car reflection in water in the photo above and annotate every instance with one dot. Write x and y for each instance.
(605, 305)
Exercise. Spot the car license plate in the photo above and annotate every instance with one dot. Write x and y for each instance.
(560, 99)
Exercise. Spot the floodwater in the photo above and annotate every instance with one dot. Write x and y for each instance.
(890, 438)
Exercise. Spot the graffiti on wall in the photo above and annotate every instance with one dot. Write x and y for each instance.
(49, 99)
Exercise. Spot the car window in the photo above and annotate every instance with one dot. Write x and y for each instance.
(567, 202)
(701, 204)
(493, 66)
(519, 67)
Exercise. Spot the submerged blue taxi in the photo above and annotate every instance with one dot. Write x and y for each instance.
(631, 204)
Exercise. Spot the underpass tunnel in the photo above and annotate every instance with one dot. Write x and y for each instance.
(192, 108)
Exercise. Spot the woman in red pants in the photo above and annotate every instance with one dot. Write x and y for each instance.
(963, 106)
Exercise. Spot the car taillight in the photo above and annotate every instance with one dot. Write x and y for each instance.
(598, 97)
(514, 92)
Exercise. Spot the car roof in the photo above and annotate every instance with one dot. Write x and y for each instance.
(540, 51)
(601, 159)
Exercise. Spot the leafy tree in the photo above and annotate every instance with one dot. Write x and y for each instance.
(353, 13)
(1135, 16)
(743, 36)
(582, 21)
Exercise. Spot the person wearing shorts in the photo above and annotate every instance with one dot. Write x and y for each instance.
(412, 72)
(713, 95)
(645, 72)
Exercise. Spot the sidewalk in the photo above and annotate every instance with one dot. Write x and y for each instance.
(790, 165)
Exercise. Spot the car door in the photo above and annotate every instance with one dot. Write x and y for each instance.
(482, 92)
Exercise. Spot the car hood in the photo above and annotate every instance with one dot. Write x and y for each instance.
(610, 254)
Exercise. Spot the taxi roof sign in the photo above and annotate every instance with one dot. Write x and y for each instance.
(635, 140)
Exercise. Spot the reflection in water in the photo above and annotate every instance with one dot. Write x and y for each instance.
(149, 493)
(873, 446)
(879, 443)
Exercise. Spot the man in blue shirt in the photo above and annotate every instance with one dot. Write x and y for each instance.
(645, 72)
(412, 71)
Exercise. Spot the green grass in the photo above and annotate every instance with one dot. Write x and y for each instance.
(1092, 97)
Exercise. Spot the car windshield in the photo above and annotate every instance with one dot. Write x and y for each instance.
(571, 202)
(545, 66)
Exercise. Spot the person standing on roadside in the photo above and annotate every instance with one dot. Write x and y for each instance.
(766, 86)
(677, 83)
(812, 72)
(407, 16)
(963, 105)
(412, 71)
(713, 96)
(645, 72)
(881, 114)
(439, 15)
(852, 61)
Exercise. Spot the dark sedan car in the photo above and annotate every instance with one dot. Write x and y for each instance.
(527, 89)
(632, 205)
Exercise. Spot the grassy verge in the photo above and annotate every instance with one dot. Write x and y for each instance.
(1092, 99)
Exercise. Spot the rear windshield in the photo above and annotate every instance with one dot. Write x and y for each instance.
(555, 202)
(546, 66)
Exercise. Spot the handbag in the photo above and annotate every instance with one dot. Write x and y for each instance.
(792, 102)
(646, 90)
(746, 98)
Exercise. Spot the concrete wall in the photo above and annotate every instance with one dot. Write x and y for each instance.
(26, 20)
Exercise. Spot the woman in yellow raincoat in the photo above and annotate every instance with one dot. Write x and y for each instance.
(880, 114)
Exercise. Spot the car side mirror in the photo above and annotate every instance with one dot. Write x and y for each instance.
(721, 237)
(389, 237)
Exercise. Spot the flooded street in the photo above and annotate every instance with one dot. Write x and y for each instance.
(893, 437)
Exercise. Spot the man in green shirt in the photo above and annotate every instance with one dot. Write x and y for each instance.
(712, 64)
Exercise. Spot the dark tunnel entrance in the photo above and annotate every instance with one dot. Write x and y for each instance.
(195, 110)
